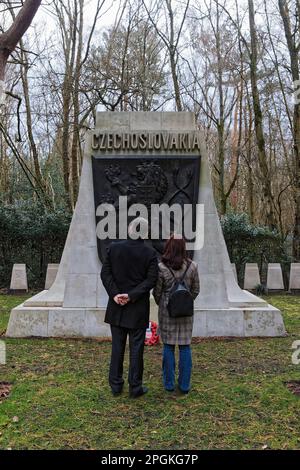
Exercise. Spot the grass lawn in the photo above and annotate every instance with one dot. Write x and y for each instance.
(60, 397)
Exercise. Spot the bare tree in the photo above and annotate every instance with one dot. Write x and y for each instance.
(10, 38)
(293, 44)
(24, 68)
(170, 38)
(258, 118)
(70, 18)
(213, 83)
(126, 71)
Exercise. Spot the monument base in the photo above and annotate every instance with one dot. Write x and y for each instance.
(263, 321)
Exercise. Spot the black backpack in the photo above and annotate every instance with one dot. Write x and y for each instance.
(181, 302)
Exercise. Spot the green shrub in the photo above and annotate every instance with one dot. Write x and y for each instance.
(31, 235)
(249, 243)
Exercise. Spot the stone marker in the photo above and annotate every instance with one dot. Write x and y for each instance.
(75, 304)
(274, 277)
(234, 271)
(295, 277)
(2, 353)
(51, 275)
(18, 281)
(252, 277)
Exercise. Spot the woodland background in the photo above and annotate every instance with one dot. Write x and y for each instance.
(235, 64)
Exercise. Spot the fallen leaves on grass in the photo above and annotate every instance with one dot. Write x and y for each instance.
(239, 397)
(294, 387)
(5, 389)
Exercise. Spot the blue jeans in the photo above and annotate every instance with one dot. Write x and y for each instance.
(184, 367)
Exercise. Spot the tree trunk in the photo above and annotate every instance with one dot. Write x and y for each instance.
(270, 219)
(235, 152)
(76, 129)
(10, 38)
(175, 81)
(221, 122)
(69, 34)
(173, 62)
(295, 72)
(4, 54)
(33, 147)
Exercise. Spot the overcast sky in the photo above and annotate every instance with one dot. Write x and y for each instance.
(109, 12)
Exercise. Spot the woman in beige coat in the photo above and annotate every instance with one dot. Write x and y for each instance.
(174, 331)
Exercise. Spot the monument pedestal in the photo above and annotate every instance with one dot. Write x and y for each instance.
(80, 322)
(75, 304)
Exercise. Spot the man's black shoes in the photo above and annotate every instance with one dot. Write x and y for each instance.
(142, 391)
(139, 393)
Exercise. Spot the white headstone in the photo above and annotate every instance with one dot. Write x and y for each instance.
(274, 277)
(2, 353)
(52, 270)
(252, 277)
(295, 276)
(19, 278)
(234, 271)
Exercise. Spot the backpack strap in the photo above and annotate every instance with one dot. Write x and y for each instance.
(187, 268)
(171, 271)
(184, 274)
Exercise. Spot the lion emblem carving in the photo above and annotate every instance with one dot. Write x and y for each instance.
(149, 184)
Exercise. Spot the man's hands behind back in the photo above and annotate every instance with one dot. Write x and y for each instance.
(121, 299)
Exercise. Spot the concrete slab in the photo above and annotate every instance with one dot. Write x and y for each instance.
(234, 271)
(86, 322)
(51, 274)
(26, 322)
(294, 277)
(18, 281)
(251, 277)
(274, 277)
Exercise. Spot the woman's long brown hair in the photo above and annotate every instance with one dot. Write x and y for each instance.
(174, 253)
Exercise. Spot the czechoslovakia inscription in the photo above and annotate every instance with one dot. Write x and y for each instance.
(108, 141)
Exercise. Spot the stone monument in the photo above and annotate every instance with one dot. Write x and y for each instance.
(234, 271)
(18, 283)
(274, 277)
(294, 284)
(150, 157)
(51, 274)
(252, 277)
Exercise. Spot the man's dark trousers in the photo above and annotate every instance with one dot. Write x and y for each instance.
(130, 268)
(136, 363)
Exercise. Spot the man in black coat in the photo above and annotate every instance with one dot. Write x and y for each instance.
(128, 274)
